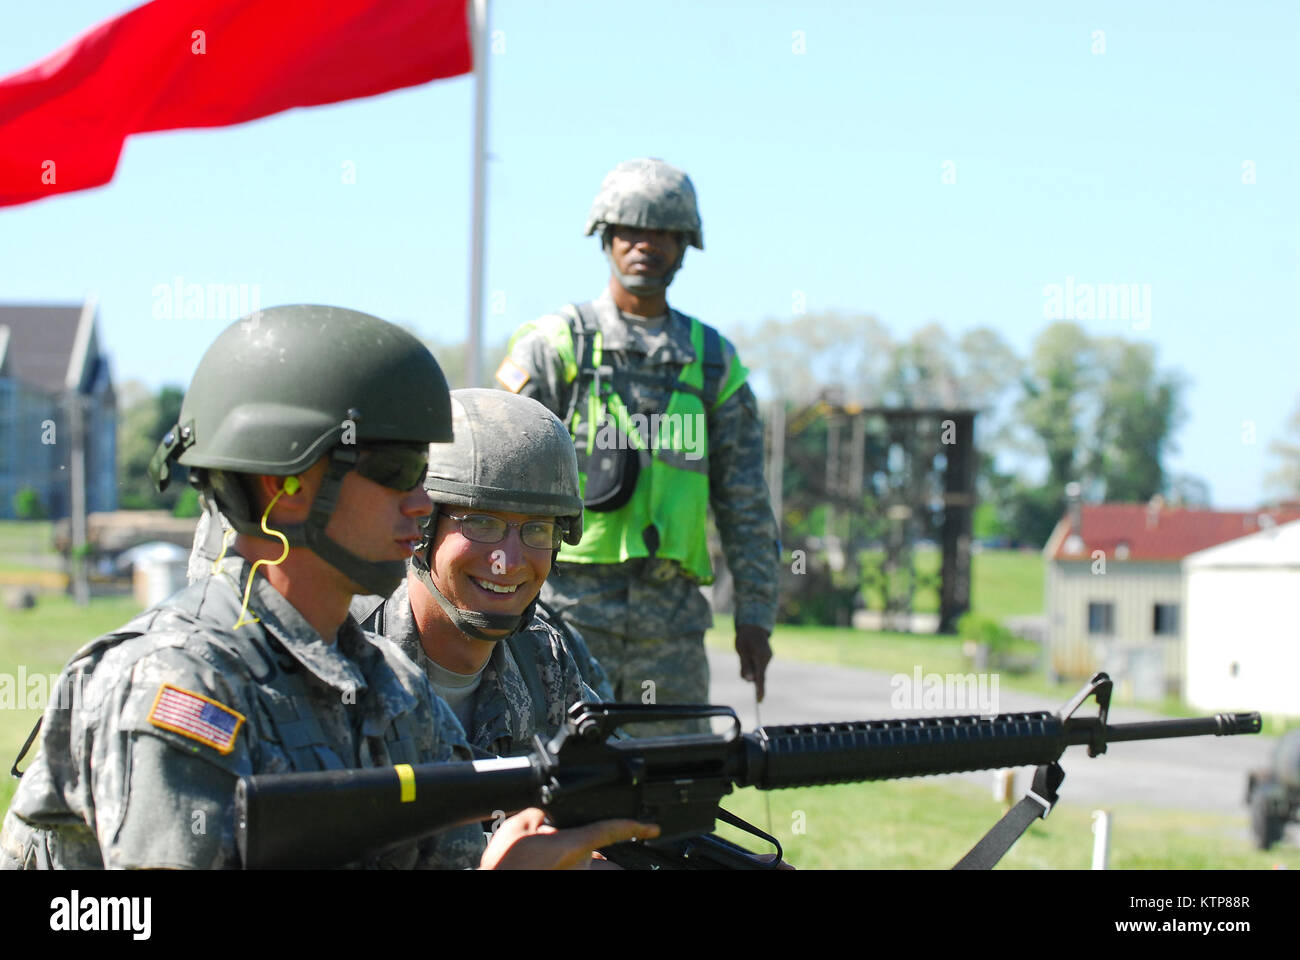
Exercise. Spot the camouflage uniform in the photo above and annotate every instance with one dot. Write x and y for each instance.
(644, 620)
(207, 545)
(528, 683)
(113, 788)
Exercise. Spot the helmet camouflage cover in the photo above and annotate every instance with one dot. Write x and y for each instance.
(511, 454)
(650, 194)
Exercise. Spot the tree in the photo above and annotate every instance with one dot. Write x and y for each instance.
(923, 371)
(799, 359)
(1056, 398)
(1101, 413)
(1286, 451)
(1139, 409)
(145, 418)
(187, 504)
(27, 504)
(989, 367)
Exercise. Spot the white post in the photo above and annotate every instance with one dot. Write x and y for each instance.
(77, 405)
(77, 507)
(1100, 839)
(474, 344)
(1004, 787)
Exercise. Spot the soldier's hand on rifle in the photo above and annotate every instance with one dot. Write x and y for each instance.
(755, 654)
(527, 842)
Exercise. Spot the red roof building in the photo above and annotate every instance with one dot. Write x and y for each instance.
(1116, 589)
(1138, 531)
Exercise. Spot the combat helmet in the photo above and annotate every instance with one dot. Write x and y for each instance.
(284, 387)
(510, 454)
(653, 195)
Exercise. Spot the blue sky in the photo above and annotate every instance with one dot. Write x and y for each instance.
(820, 172)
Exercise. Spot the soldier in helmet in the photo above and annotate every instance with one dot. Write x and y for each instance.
(665, 428)
(505, 496)
(308, 428)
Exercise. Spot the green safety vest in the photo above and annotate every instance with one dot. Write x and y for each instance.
(672, 494)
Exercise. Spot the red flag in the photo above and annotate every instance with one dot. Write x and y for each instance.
(208, 63)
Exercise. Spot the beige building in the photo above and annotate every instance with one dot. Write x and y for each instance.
(1116, 591)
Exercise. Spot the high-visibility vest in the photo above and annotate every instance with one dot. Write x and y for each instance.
(671, 500)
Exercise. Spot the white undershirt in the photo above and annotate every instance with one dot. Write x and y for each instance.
(457, 689)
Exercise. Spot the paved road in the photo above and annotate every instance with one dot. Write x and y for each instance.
(1197, 774)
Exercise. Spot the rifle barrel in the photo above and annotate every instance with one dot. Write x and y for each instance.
(1220, 725)
(824, 753)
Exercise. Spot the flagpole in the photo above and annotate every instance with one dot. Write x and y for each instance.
(478, 232)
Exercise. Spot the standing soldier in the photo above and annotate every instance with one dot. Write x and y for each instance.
(665, 427)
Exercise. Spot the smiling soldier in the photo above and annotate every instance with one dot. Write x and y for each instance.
(506, 496)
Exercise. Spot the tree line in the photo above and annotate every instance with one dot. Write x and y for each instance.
(1077, 407)
(1098, 410)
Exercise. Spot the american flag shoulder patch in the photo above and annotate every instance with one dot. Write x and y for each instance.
(197, 717)
(512, 376)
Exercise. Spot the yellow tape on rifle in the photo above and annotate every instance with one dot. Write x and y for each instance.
(406, 776)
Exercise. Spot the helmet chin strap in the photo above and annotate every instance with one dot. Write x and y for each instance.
(638, 284)
(472, 623)
(375, 576)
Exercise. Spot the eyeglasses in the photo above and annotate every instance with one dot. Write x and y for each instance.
(398, 467)
(482, 528)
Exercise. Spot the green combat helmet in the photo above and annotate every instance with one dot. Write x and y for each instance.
(510, 454)
(653, 195)
(286, 386)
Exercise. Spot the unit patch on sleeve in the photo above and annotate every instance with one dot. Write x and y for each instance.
(197, 717)
(512, 376)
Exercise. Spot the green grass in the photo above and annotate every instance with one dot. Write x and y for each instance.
(41, 640)
(1007, 583)
(27, 555)
(23, 537)
(865, 650)
(922, 823)
(1004, 583)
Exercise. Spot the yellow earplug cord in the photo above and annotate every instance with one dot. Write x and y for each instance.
(291, 486)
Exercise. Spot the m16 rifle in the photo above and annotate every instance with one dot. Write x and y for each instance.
(581, 775)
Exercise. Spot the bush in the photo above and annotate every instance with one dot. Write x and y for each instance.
(987, 632)
(982, 629)
(187, 504)
(27, 505)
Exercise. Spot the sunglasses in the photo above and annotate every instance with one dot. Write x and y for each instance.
(397, 467)
(481, 528)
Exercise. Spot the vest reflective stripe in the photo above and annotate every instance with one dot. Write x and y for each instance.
(558, 334)
(673, 493)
